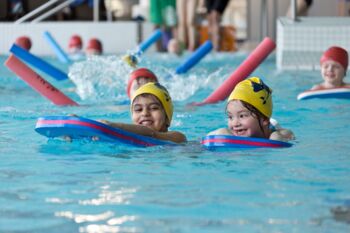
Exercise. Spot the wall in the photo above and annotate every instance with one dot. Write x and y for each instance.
(117, 37)
(277, 8)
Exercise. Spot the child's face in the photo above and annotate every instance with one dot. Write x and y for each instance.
(332, 72)
(75, 49)
(148, 111)
(241, 122)
(138, 82)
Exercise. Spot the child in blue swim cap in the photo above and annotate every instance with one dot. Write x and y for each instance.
(249, 110)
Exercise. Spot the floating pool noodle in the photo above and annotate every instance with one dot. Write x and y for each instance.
(38, 63)
(143, 46)
(339, 93)
(83, 128)
(62, 56)
(37, 82)
(196, 56)
(242, 72)
(213, 142)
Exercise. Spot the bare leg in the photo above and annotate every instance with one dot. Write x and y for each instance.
(215, 29)
(181, 13)
(191, 24)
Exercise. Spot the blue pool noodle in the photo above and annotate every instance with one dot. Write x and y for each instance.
(62, 56)
(38, 63)
(196, 56)
(143, 46)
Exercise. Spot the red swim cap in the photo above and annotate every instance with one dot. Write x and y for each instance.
(95, 45)
(75, 41)
(24, 42)
(337, 54)
(141, 72)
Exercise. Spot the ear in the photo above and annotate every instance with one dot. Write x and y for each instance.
(265, 121)
(167, 122)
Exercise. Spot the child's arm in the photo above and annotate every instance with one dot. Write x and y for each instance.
(221, 131)
(173, 136)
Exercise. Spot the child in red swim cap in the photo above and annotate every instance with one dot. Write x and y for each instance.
(24, 42)
(138, 78)
(75, 48)
(75, 44)
(94, 47)
(334, 64)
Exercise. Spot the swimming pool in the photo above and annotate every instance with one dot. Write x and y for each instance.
(55, 186)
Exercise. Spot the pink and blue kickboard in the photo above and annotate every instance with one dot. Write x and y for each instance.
(38, 63)
(338, 93)
(214, 142)
(83, 128)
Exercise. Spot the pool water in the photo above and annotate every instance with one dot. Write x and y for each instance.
(56, 186)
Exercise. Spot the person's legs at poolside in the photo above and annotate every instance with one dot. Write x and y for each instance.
(215, 10)
(181, 13)
(191, 24)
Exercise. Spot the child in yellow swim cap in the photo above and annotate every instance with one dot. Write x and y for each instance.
(249, 110)
(151, 114)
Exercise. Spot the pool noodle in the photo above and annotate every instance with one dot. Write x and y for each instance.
(38, 63)
(143, 46)
(62, 56)
(242, 72)
(195, 57)
(37, 82)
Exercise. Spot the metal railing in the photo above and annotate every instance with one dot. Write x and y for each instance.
(43, 9)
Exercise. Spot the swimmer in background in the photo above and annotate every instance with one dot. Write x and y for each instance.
(138, 78)
(24, 42)
(175, 47)
(334, 64)
(75, 48)
(94, 47)
(151, 114)
(249, 110)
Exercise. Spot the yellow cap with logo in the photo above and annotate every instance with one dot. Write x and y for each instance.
(254, 92)
(158, 91)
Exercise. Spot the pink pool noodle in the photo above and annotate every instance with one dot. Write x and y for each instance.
(242, 72)
(37, 82)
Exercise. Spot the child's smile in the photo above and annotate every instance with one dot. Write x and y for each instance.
(148, 111)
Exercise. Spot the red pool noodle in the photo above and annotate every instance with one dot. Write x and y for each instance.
(37, 82)
(242, 72)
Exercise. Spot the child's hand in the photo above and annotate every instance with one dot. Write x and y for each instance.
(282, 135)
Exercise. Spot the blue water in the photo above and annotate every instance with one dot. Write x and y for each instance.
(56, 186)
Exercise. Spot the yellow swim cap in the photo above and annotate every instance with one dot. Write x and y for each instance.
(158, 91)
(254, 91)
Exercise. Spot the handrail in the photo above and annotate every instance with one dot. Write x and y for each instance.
(52, 11)
(96, 10)
(37, 10)
(293, 5)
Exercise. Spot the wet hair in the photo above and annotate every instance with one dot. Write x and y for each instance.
(255, 113)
